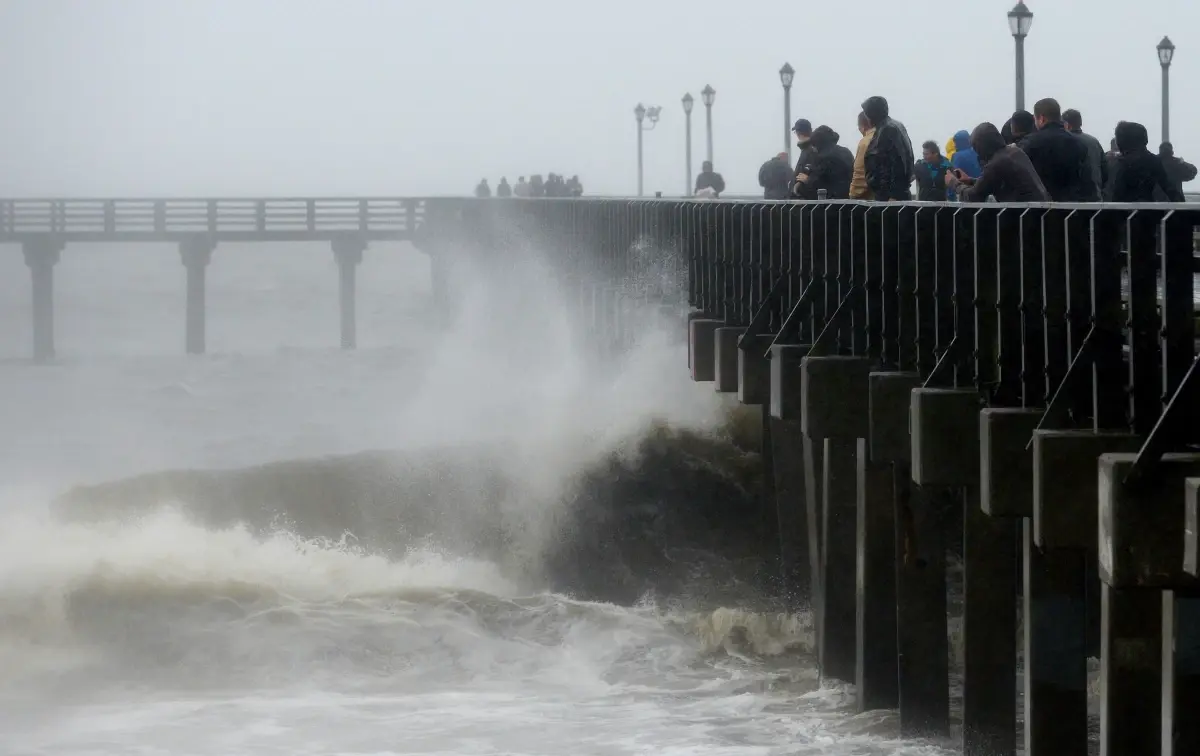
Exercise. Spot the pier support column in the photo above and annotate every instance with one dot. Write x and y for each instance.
(797, 562)
(835, 416)
(1144, 656)
(41, 255)
(349, 253)
(726, 358)
(1059, 544)
(702, 341)
(879, 457)
(196, 254)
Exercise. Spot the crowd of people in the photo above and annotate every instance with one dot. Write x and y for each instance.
(1039, 156)
(553, 185)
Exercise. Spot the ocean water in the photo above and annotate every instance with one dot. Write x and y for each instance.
(461, 539)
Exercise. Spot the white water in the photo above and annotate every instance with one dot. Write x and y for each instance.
(154, 635)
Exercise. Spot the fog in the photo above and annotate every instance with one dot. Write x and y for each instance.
(315, 97)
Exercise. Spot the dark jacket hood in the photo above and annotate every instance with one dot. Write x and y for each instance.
(987, 141)
(824, 137)
(1131, 137)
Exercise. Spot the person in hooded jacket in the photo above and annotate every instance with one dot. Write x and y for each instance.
(1060, 157)
(889, 159)
(802, 130)
(1139, 171)
(1179, 171)
(1008, 174)
(775, 177)
(930, 172)
(831, 168)
(1073, 120)
(710, 179)
(965, 158)
(503, 189)
(482, 190)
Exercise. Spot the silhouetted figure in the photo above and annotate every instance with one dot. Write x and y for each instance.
(930, 172)
(775, 177)
(1073, 120)
(1008, 174)
(483, 190)
(831, 168)
(709, 180)
(574, 188)
(536, 187)
(1059, 157)
(889, 159)
(1139, 171)
(1021, 125)
(522, 188)
(1179, 171)
(1111, 158)
(858, 183)
(803, 130)
(503, 189)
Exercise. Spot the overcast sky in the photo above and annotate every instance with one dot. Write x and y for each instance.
(424, 97)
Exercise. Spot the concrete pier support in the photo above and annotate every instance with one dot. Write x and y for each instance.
(195, 254)
(1181, 673)
(348, 251)
(41, 255)
(702, 342)
(834, 418)
(726, 358)
(754, 370)
(879, 458)
(796, 538)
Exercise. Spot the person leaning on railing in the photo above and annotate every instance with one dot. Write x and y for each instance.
(1008, 174)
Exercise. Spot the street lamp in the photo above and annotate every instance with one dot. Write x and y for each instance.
(688, 102)
(1166, 53)
(1020, 19)
(643, 114)
(708, 94)
(786, 75)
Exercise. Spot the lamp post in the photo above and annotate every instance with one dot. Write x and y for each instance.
(786, 75)
(708, 94)
(1166, 53)
(1020, 18)
(643, 114)
(688, 102)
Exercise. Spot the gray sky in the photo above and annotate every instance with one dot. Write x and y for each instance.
(408, 97)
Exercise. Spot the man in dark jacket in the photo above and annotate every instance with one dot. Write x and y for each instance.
(889, 159)
(1060, 157)
(503, 189)
(1008, 174)
(802, 130)
(1179, 171)
(930, 172)
(709, 179)
(1020, 126)
(831, 168)
(1111, 158)
(1139, 171)
(775, 177)
(1073, 120)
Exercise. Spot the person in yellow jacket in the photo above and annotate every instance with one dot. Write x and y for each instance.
(950, 149)
(858, 181)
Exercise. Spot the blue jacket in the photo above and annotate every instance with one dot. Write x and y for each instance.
(965, 159)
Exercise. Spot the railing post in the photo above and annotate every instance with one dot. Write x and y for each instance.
(41, 255)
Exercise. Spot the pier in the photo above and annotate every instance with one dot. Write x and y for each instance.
(1013, 388)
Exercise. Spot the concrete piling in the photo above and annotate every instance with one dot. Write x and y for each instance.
(196, 254)
(41, 255)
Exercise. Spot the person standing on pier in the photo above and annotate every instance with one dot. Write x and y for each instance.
(1140, 173)
(522, 188)
(889, 160)
(831, 168)
(574, 187)
(1020, 126)
(775, 177)
(858, 182)
(503, 189)
(931, 173)
(1007, 173)
(1059, 157)
(483, 190)
(709, 179)
(802, 129)
(536, 188)
(964, 157)
(1096, 162)
(1179, 171)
